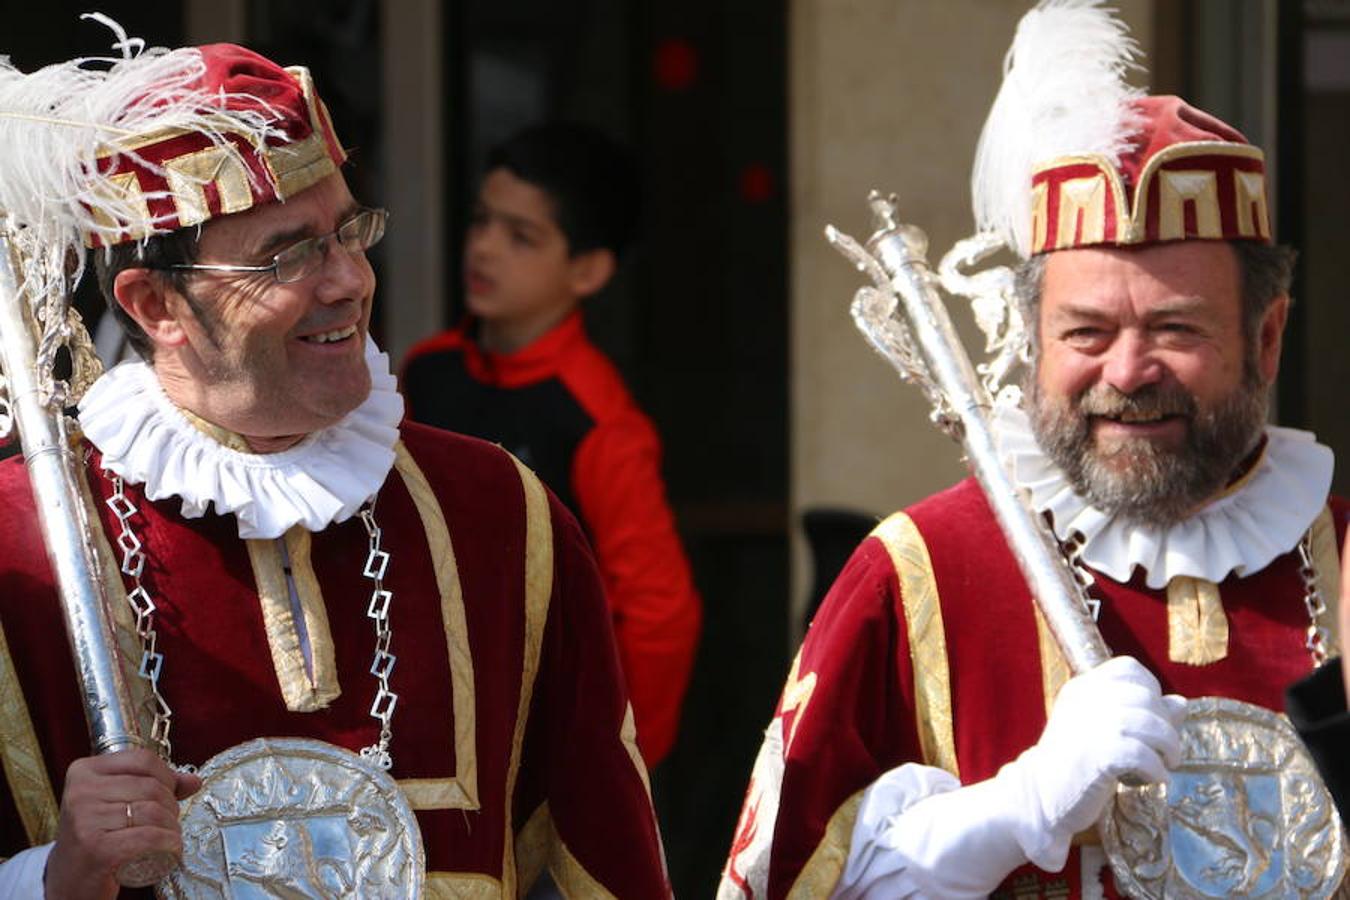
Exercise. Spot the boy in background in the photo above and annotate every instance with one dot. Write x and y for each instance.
(554, 211)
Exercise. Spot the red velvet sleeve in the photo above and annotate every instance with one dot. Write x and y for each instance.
(616, 476)
(581, 740)
(842, 720)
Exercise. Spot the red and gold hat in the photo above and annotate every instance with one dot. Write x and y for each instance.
(1072, 155)
(258, 134)
(1187, 176)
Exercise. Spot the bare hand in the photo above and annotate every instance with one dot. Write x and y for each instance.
(115, 808)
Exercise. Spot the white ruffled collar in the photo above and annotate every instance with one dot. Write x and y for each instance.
(1242, 531)
(325, 478)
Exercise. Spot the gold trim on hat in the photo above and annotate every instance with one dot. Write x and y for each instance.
(1250, 190)
(188, 176)
(122, 189)
(1085, 197)
(1106, 176)
(1175, 188)
(1040, 216)
(290, 168)
(299, 165)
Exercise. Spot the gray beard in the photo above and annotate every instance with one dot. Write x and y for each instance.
(1137, 479)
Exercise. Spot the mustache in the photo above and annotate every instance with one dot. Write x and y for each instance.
(1150, 400)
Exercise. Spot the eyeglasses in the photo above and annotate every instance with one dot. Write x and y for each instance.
(300, 260)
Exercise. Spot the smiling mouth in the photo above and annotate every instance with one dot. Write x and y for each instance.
(1131, 417)
(330, 337)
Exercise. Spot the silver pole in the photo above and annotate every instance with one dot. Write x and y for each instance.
(896, 257)
(67, 536)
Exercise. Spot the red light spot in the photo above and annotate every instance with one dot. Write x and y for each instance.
(675, 64)
(756, 183)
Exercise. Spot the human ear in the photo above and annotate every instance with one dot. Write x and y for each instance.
(591, 270)
(144, 295)
(1269, 337)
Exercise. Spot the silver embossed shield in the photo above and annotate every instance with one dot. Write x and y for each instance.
(292, 818)
(1244, 815)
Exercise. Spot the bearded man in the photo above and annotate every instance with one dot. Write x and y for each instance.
(930, 741)
(295, 560)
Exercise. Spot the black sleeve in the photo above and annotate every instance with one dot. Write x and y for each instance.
(1317, 707)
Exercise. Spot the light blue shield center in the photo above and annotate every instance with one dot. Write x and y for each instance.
(1224, 831)
(301, 856)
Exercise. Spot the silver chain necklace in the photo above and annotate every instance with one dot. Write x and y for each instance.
(1317, 642)
(1318, 638)
(152, 661)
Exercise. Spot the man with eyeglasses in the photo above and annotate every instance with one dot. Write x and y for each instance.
(297, 561)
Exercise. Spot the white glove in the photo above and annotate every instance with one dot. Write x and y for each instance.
(963, 841)
(1106, 723)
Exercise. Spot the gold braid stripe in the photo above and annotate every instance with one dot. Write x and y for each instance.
(1326, 559)
(628, 737)
(539, 844)
(462, 886)
(461, 791)
(21, 757)
(821, 872)
(1197, 629)
(301, 691)
(538, 591)
(572, 878)
(534, 845)
(1054, 667)
(927, 639)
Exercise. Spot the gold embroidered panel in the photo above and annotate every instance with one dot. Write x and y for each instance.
(462, 886)
(534, 846)
(1054, 666)
(573, 879)
(628, 737)
(538, 592)
(1327, 561)
(927, 639)
(21, 757)
(797, 691)
(303, 690)
(461, 791)
(821, 872)
(1197, 627)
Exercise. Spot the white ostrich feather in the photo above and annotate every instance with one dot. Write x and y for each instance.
(1063, 93)
(55, 121)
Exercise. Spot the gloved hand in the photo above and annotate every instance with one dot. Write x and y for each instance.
(1106, 723)
(920, 834)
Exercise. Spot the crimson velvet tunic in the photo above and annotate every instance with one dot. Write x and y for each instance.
(928, 650)
(512, 737)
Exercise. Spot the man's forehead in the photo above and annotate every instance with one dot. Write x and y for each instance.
(316, 210)
(1185, 264)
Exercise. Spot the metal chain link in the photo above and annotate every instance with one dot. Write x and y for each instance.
(377, 561)
(138, 598)
(1318, 642)
(1073, 553)
(152, 662)
(1318, 637)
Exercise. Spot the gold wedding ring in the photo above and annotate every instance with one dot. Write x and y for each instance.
(130, 822)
